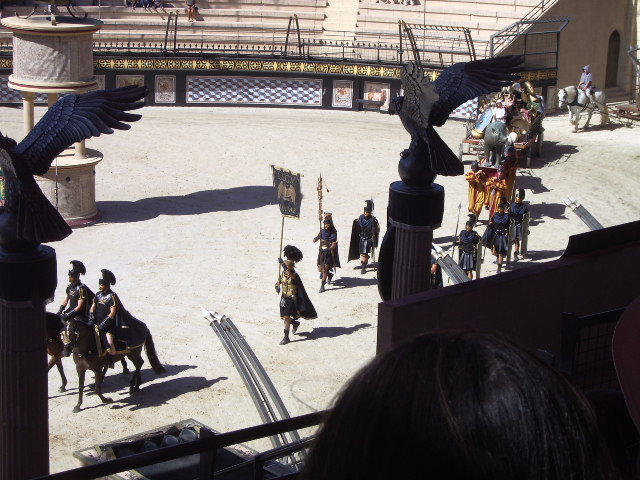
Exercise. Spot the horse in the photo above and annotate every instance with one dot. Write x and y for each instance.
(577, 102)
(55, 346)
(80, 339)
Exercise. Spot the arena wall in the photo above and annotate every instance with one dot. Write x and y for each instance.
(585, 40)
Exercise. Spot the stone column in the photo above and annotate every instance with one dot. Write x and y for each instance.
(51, 99)
(28, 99)
(27, 278)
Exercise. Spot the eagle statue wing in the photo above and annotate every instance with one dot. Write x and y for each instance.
(464, 81)
(74, 118)
(419, 94)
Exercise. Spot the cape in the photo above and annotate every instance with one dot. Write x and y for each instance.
(129, 329)
(303, 302)
(354, 243)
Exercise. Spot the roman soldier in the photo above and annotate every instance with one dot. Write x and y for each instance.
(79, 297)
(328, 257)
(500, 224)
(477, 188)
(104, 310)
(113, 320)
(364, 236)
(435, 274)
(294, 301)
(518, 211)
(468, 241)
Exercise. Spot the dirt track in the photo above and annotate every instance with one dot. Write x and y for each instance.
(187, 221)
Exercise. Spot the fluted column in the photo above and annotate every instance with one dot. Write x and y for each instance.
(412, 259)
(26, 279)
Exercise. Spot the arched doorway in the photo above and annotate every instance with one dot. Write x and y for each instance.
(613, 53)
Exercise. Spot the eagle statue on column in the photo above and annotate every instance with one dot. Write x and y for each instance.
(27, 217)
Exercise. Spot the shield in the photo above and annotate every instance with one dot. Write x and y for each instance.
(510, 235)
(479, 259)
(354, 244)
(525, 233)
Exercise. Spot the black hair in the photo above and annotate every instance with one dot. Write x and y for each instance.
(458, 406)
(470, 223)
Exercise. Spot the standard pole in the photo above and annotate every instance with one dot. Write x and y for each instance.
(280, 251)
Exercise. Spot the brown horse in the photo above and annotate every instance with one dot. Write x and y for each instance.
(80, 340)
(55, 346)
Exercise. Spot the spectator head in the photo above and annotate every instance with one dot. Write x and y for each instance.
(458, 406)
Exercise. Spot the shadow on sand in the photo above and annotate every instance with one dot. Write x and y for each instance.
(207, 201)
(329, 332)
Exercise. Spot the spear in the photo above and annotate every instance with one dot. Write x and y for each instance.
(453, 245)
(319, 189)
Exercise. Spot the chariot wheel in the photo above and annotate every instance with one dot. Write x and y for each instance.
(460, 151)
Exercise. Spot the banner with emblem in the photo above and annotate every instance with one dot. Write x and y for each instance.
(287, 191)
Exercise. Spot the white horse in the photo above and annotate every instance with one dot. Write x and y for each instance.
(577, 102)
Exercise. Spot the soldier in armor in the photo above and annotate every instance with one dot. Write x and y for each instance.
(499, 188)
(105, 309)
(364, 236)
(500, 224)
(328, 258)
(294, 302)
(78, 296)
(435, 274)
(518, 211)
(468, 240)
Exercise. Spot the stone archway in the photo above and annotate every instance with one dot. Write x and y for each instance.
(613, 54)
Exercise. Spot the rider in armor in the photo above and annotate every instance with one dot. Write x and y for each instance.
(294, 302)
(586, 83)
(364, 236)
(328, 258)
(78, 296)
(518, 211)
(104, 310)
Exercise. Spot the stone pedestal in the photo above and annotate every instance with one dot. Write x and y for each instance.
(52, 58)
(70, 186)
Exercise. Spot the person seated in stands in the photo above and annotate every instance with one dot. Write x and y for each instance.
(191, 10)
(459, 406)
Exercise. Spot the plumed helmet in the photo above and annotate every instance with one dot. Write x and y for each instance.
(108, 278)
(368, 207)
(292, 253)
(77, 268)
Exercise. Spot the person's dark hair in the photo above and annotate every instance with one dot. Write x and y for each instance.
(458, 406)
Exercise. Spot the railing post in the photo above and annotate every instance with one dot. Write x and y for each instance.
(208, 458)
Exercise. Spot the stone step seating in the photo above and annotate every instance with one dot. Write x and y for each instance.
(216, 21)
(483, 18)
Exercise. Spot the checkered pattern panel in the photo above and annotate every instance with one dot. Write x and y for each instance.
(9, 95)
(248, 90)
(467, 110)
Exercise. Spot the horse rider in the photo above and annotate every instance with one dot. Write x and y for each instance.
(586, 83)
(78, 296)
(104, 309)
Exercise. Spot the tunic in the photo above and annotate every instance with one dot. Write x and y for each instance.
(500, 230)
(468, 242)
(518, 212)
(477, 191)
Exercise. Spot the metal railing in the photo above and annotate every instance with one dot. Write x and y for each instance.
(537, 40)
(206, 446)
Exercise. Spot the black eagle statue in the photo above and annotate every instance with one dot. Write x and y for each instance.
(427, 104)
(27, 217)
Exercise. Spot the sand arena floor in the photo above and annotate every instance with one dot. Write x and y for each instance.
(187, 220)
